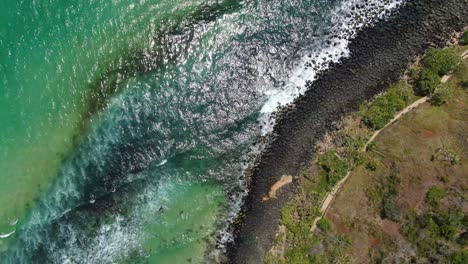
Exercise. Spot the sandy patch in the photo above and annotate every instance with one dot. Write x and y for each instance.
(285, 180)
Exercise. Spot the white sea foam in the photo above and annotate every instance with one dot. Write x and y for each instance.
(161, 163)
(7, 234)
(121, 237)
(350, 17)
(346, 26)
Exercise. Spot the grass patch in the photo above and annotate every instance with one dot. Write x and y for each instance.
(324, 225)
(434, 195)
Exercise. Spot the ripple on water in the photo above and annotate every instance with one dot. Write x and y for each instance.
(158, 172)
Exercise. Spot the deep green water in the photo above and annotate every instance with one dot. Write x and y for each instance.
(126, 126)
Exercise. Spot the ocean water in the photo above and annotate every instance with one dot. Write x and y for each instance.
(126, 126)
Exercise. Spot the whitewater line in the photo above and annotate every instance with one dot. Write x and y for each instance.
(7, 235)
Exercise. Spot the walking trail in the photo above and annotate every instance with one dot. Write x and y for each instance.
(332, 194)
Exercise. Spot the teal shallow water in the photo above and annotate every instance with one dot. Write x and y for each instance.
(127, 125)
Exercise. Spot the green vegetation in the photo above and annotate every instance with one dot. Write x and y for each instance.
(324, 225)
(383, 108)
(434, 233)
(436, 63)
(334, 167)
(434, 195)
(461, 257)
(383, 195)
(440, 96)
(428, 232)
(372, 164)
(298, 215)
(464, 39)
(447, 154)
(428, 82)
(330, 249)
(464, 84)
(441, 61)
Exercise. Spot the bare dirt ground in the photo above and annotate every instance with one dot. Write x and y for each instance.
(412, 147)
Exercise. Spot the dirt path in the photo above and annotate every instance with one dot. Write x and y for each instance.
(465, 55)
(331, 196)
(396, 117)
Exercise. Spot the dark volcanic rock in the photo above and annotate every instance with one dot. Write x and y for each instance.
(379, 56)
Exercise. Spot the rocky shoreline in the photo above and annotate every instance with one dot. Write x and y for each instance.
(379, 55)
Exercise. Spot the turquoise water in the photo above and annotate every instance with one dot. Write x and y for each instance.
(127, 125)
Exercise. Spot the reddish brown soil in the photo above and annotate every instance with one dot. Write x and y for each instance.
(426, 134)
(390, 228)
(339, 226)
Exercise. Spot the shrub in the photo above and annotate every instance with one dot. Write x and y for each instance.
(428, 81)
(464, 84)
(414, 74)
(298, 255)
(447, 154)
(380, 111)
(464, 39)
(324, 225)
(390, 209)
(461, 257)
(463, 239)
(431, 231)
(384, 195)
(390, 189)
(372, 165)
(334, 167)
(287, 215)
(441, 61)
(434, 195)
(351, 147)
(440, 96)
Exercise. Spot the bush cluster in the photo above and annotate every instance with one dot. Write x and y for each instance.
(431, 231)
(464, 84)
(380, 111)
(440, 96)
(334, 167)
(428, 82)
(436, 63)
(435, 194)
(464, 39)
(324, 225)
(298, 215)
(441, 61)
(383, 196)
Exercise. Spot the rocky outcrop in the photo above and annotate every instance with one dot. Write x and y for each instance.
(379, 55)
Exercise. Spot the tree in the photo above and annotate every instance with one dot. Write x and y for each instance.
(428, 81)
(464, 39)
(441, 61)
(434, 195)
(440, 96)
